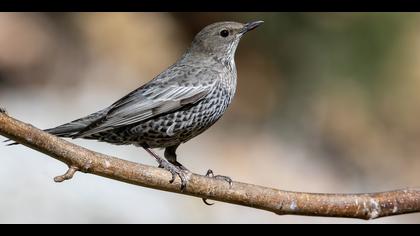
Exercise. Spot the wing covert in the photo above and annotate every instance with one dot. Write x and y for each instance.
(153, 99)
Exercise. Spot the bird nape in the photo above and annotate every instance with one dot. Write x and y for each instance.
(177, 105)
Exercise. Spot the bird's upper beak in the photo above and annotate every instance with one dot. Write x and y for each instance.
(250, 26)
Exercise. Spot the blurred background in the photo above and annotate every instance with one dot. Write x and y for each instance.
(326, 102)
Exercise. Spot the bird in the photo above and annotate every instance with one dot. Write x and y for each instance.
(175, 106)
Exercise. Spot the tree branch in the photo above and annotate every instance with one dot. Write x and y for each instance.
(363, 206)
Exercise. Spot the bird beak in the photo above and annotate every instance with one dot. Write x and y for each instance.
(250, 26)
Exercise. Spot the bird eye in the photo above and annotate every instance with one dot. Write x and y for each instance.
(224, 33)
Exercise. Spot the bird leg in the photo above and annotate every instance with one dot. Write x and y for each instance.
(175, 170)
(170, 155)
(210, 174)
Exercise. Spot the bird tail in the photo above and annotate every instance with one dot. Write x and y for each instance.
(65, 131)
(72, 129)
(8, 142)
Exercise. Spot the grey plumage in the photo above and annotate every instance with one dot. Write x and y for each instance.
(177, 105)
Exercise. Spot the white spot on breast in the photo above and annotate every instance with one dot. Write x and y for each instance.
(170, 130)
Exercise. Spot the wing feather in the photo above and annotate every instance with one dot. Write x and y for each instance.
(152, 100)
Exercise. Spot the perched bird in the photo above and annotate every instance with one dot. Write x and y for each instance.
(177, 105)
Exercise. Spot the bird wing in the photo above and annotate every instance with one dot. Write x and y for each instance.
(153, 99)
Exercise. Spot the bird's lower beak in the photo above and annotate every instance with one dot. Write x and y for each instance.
(251, 25)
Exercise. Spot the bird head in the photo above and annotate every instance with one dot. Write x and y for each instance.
(221, 39)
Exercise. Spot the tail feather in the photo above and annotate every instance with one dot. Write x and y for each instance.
(66, 130)
(10, 144)
(72, 129)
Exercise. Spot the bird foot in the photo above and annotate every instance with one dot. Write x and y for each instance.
(210, 174)
(177, 164)
(175, 171)
(219, 177)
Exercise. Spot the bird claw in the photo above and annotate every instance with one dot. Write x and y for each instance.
(175, 171)
(219, 177)
(10, 142)
(210, 174)
(206, 202)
